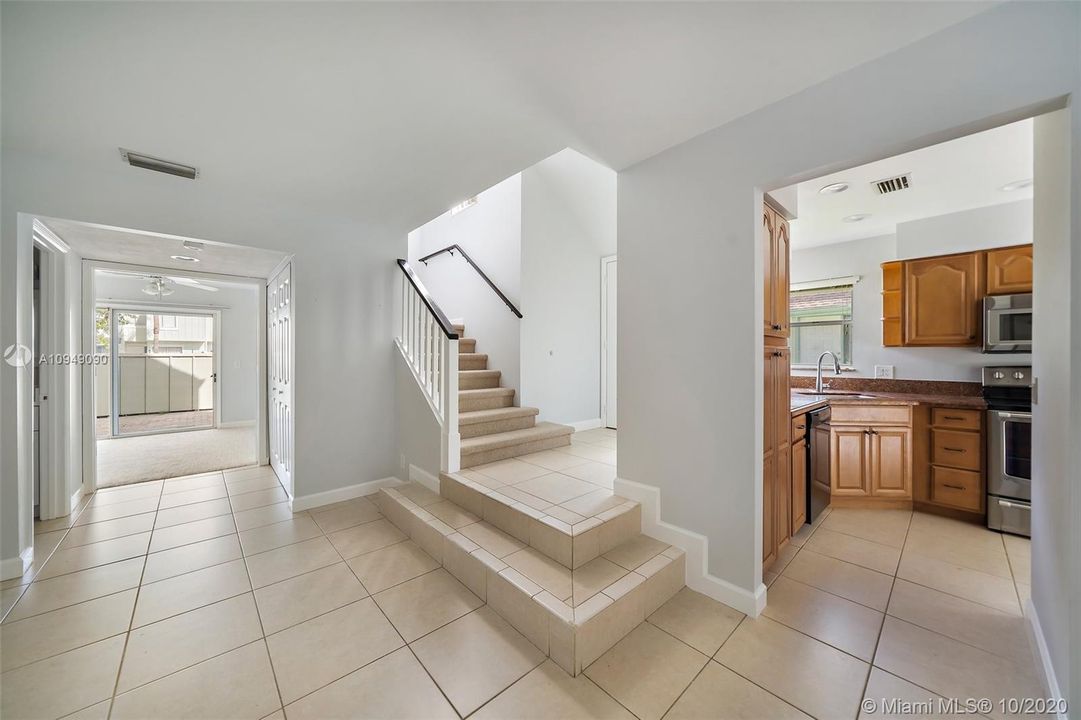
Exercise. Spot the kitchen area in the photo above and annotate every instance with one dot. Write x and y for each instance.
(897, 377)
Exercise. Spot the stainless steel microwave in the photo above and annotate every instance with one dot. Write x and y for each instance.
(1007, 323)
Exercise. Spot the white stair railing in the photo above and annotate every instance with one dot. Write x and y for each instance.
(429, 344)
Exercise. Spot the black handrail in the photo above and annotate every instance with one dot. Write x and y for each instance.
(450, 249)
(440, 318)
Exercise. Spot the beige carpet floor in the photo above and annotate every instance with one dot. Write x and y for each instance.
(126, 460)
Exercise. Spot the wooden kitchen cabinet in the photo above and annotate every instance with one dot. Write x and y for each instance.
(799, 484)
(892, 298)
(941, 300)
(871, 454)
(777, 460)
(955, 469)
(775, 316)
(1009, 270)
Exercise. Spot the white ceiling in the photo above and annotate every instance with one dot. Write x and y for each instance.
(95, 242)
(962, 174)
(393, 112)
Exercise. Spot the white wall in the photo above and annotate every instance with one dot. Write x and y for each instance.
(982, 228)
(418, 432)
(239, 352)
(568, 225)
(689, 239)
(540, 236)
(491, 232)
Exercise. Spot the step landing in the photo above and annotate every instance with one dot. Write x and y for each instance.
(573, 616)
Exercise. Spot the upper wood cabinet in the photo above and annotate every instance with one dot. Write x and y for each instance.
(942, 300)
(775, 250)
(1009, 270)
(892, 283)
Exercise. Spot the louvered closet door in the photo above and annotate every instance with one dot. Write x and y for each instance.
(279, 297)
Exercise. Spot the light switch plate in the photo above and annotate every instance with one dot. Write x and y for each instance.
(884, 372)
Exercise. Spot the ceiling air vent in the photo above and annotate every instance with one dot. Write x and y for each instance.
(149, 162)
(893, 184)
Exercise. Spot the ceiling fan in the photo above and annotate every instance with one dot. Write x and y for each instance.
(162, 285)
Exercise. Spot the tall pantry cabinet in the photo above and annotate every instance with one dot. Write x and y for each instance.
(776, 435)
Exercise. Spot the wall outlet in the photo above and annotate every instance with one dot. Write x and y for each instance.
(884, 372)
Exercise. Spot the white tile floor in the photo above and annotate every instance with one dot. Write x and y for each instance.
(205, 597)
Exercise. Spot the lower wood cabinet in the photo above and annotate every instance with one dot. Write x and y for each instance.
(871, 453)
(799, 484)
(955, 477)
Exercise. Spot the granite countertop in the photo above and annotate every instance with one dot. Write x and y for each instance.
(806, 401)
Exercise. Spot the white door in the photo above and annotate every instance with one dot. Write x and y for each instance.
(609, 342)
(279, 296)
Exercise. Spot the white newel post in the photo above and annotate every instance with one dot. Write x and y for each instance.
(452, 439)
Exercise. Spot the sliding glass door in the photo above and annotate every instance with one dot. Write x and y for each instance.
(161, 375)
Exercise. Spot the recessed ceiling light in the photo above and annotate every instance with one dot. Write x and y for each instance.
(464, 205)
(858, 217)
(184, 258)
(1016, 185)
(833, 188)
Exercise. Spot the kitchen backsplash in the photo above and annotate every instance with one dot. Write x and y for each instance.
(922, 387)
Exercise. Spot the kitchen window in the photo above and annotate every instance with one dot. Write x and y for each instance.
(820, 320)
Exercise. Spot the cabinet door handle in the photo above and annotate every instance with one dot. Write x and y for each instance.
(960, 450)
(953, 487)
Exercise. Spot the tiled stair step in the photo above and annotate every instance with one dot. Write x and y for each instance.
(500, 446)
(472, 361)
(497, 420)
(572, 616)
(477, 379)
(548, 531)
(466, 345)
(485, 399)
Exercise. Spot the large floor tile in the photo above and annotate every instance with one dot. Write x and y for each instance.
(838, 622)
(698, 620)
(548, 692)
(321, 650)
(191, 532)
(885, 690)
(423, 604)
(389, 566)
(818, 679)
(76, 587)
(720, 694)
(52, 633)
(259, 498)
(636, 551)
(991, 590)
(951, 668)
(99, 711)
(112, 496)
(193, 482)
(542, 570)
(161, 648)
(303, 597)
(998, 632)
(597, 473)
(186, 558)
(852, 582)
(62, 684)
(886, 527)
(346, 515)
(187, 497)
(553, 459)
(556, 487)
(395, 686)
(865, 553)
(266, 482)
(511, 471)
(1019, 551)
(492, 539)
(451, 514)
(287, 532)
(84, 557)
(289, 561)
(592, 577)
(475, 658)
(365, 538)
(647, 671)
(106, 530)
(182, 593)
(265, 515)
(987, 555)
(237, 685)
(118, 510)
(191, 513)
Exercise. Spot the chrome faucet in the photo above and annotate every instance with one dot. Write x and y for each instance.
(819, 387)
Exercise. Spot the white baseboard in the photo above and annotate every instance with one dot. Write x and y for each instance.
(307, 502)
(695, 545)
(425, 478)
(237, 424)
(1046, 668)
(17, 566)
(587, 424)
(75, 498)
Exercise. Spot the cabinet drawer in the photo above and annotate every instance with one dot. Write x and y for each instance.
(799, 427)
(956, 488)
(956, 419)
(956, 448)
(842, 414)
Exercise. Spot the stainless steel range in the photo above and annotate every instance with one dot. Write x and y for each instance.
(1008, 392)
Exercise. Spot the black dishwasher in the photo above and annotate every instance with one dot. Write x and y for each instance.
(818, 462)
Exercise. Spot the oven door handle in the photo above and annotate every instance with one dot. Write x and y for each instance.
(1018, 416)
